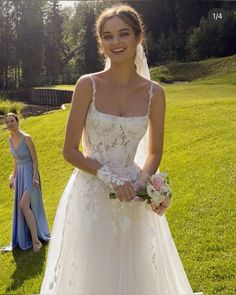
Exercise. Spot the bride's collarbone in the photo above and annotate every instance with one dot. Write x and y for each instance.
(128, 89)
(121, 95)
(124, 107)
(121, 101)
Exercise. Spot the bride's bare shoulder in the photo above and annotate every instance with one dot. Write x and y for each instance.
(157, 88)
(86, 78)
(83, 90)
(84, 83)
(84, 86)
(100, 76)
(158, 96)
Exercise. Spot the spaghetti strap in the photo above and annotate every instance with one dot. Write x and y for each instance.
(94, 86)
(150, 97)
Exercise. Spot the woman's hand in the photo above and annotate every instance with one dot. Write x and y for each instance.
(141, 180)
(35, 182)
(140, 183)
(160, 210)
(125, 192)
(12, 184)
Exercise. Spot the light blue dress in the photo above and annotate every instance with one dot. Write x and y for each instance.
(21, 236)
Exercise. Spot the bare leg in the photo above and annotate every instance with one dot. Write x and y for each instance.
(29, 217)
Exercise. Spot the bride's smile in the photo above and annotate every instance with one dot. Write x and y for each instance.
(118, 40)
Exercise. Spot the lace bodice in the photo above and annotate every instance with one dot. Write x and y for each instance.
(113, 140)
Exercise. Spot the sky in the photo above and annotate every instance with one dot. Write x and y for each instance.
(67, 3)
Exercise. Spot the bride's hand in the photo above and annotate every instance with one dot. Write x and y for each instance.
(141, 180)
(125, 192)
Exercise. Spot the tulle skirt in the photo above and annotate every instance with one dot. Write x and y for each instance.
(107, 247)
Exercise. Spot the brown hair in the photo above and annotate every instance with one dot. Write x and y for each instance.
(12, 115)
(128, 14)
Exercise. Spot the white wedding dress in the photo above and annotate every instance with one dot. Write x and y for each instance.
(101, 246)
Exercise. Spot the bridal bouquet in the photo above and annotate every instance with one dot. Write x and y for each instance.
(156, 190)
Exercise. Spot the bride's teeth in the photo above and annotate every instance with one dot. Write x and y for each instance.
(118, 50)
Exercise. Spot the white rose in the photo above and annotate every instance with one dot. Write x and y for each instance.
(158, 198)
(151, 191)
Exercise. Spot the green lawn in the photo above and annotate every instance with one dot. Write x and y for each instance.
(58, 87)
(199, 155)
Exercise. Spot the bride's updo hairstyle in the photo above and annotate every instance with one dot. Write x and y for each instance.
(125, 12)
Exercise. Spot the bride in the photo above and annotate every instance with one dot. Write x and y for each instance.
(102, 246)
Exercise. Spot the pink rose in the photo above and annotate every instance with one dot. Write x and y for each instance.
(157, 182)
(163, 206)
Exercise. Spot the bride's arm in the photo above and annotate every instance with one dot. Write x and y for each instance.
(155, 141)
(81, 99)
(156, 131)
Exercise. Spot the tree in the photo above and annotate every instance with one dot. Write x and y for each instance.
(31, 42)
(212, 39)
(17, 10)
(53, 42)
(6, 45)
(86, 58)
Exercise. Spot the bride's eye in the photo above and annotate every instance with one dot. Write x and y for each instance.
(124, 34)
(107, 37)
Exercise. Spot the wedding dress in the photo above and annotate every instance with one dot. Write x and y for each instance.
(101, 246)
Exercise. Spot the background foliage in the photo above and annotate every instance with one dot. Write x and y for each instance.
(42, 44)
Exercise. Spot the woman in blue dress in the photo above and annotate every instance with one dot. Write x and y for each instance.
(29, 219)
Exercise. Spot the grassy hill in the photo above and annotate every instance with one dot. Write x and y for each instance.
(213, 71)
(199, 155)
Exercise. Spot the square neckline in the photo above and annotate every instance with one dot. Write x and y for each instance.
(115, 116)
